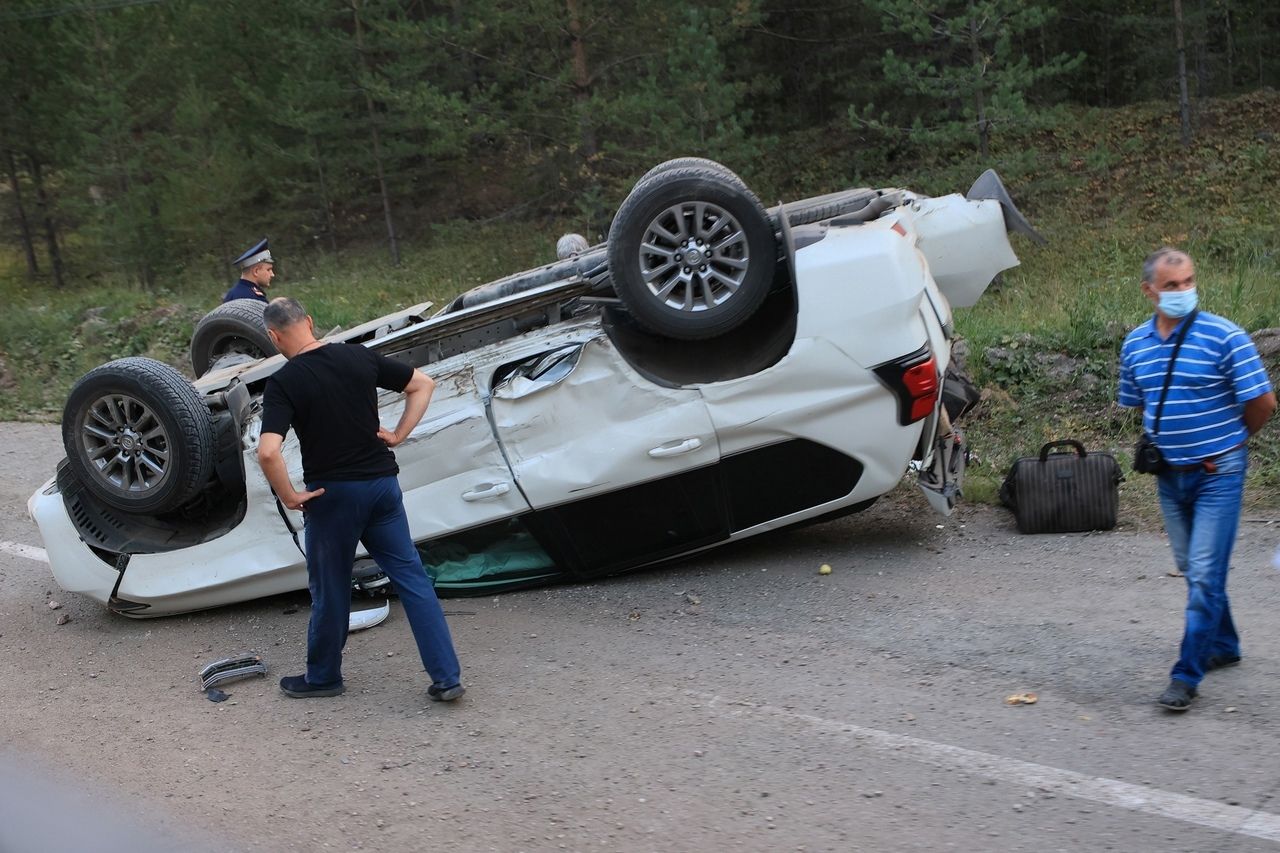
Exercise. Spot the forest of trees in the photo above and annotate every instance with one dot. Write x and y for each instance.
(140, 136)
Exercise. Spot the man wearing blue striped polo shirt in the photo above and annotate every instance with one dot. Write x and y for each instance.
(1218, 396)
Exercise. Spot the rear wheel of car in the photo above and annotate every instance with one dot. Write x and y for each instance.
(695, 162)
(232, 329)
(138, 435)
(691, 252)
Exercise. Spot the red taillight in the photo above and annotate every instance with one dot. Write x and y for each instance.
(913, 379)
(922, 386)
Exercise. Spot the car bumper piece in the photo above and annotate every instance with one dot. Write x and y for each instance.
(229, 669)
(361, 619)
(942, 480)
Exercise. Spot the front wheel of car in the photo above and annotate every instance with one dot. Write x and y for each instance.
(692, 253)
(232, 332)
(138, 435)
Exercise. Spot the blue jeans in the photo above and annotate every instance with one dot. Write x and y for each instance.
(1201, 514)
(372, 512)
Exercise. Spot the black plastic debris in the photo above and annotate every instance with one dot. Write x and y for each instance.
(213, 694)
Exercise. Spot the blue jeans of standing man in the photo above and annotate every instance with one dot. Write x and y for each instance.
(372, 512)
(1201, 514)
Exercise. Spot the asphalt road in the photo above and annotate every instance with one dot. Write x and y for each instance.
(738, 700)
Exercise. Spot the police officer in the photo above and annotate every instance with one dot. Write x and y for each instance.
(256, 273)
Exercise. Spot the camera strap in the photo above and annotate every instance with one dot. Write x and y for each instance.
(1168, 374)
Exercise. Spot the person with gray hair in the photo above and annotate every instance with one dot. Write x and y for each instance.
(1203, 391)
(329, 394)
(571, 244)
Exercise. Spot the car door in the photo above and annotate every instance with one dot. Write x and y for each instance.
(452, 472)
(620, 470)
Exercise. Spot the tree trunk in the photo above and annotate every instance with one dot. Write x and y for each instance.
(581, 81)
(392, 244)
(1231, 46)
(1105, 37)
(465, 58)
(324, 198)
(1202, 57)
(979, 96)
(1184, 102)
(50, 228)
(24, 227)
(149, 235)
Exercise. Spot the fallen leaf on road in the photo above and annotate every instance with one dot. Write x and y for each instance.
(1021, 699)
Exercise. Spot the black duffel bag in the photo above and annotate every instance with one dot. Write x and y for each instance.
(1063, 492)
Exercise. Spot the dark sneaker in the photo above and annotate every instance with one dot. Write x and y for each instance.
(297, 687)
(1220, 662)
(445, 694)
(1177, 696)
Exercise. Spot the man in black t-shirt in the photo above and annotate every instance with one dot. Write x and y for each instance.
(329, 394)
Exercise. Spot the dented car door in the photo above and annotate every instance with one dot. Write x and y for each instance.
(620, 469)
(452, 471)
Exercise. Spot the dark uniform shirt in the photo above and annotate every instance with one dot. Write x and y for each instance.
(330, 396)
(245, 290)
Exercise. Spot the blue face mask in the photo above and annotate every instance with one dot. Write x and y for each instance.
(1178, 303)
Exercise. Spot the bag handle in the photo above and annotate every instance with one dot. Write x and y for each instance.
(1070, 442)
(1168, 374)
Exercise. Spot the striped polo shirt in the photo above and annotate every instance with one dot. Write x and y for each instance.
(1217, 372)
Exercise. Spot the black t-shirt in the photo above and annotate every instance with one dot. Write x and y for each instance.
(329, 395)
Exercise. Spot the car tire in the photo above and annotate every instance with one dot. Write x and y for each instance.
(234, 328)
(138, 436)
(828, 206)
(700, 212)
(695, 162)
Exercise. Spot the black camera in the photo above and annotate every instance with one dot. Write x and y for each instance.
(1147, 458)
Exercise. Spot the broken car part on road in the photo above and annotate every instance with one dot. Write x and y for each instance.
(231, 669)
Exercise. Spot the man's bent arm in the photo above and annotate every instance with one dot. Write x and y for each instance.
(1259, 410)
(271, 460)
(417, 394)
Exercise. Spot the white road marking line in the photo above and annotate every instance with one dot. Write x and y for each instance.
(29, 551)
(1109, 792)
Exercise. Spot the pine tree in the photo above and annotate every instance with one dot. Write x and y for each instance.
(967, 68)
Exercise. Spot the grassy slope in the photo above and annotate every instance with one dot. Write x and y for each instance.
(1104, 186)
(1115, 185)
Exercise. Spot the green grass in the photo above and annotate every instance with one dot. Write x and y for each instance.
(48, 338)
(1105, 187)
(1075, 300)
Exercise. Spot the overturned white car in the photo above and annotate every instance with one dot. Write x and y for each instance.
(715, 370)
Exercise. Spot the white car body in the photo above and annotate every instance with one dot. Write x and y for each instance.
(865, 294)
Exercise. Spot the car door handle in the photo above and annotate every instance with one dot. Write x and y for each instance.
(486, 492)
(675, 448)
